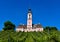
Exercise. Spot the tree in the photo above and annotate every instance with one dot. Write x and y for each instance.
(53, 28)
(47, 28)
(8, 26)
(50, 28)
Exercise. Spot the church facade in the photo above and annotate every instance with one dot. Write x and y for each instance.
(29, 27)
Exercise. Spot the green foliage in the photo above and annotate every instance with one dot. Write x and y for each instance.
(48, 28)
(12, 36)
(8, 26)
(50, 34)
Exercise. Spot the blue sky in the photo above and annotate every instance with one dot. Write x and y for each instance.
(46, 12)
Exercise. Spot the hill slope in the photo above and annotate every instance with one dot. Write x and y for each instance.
(9, 36)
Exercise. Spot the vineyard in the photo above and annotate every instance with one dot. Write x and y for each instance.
(12, 36)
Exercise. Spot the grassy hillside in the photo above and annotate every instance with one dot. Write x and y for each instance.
(12, 36)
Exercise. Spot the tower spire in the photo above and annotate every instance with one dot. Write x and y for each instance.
(29, 10)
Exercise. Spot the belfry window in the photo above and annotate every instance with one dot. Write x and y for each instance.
(29, 15)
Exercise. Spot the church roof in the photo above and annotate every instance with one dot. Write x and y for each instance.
(37, 26)
(22, 26)
(34, 26)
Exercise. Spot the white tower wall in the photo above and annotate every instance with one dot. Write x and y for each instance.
(29, 20)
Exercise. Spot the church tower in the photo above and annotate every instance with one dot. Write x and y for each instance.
(29, 19)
